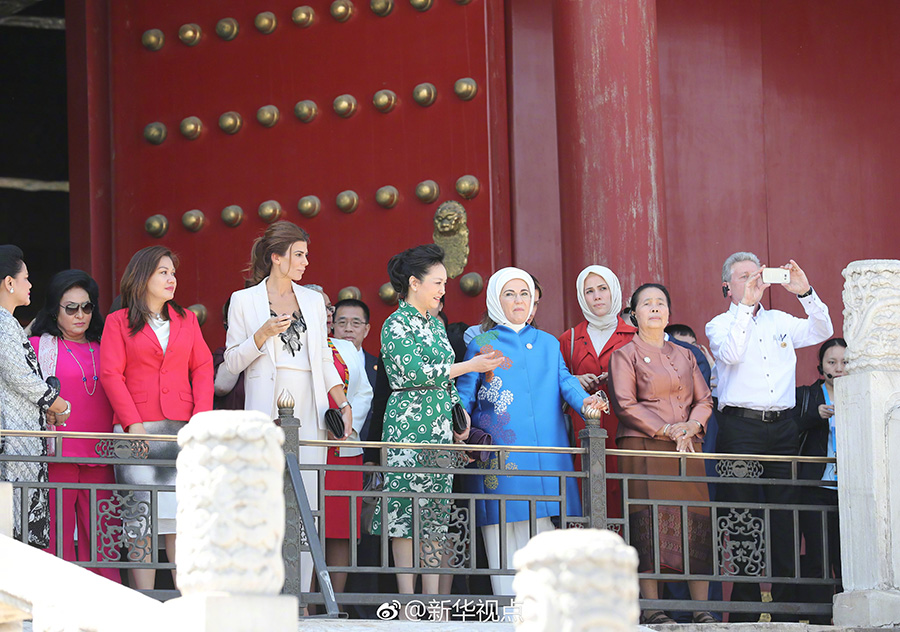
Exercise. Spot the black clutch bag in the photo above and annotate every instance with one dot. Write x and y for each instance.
(459, 419)
(334, 421)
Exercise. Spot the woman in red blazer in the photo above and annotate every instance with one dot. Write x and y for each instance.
(157, 371)
(587, 348)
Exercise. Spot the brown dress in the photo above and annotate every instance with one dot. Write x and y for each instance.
(652, 387)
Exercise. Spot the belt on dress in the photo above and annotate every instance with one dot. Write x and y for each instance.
(421, 388)
(766, 416)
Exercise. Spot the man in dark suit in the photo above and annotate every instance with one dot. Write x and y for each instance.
(351, 322)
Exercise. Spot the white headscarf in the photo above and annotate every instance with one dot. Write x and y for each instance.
(609, 321)
(495, 287)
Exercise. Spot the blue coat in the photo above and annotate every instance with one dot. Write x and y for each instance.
(522, 406)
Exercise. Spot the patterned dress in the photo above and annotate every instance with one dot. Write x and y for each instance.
(24, 396)
(417, 359)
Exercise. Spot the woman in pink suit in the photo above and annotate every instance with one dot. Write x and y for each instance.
(157, 372)
(66, 338)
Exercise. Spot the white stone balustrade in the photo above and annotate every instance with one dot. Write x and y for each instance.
(577, 580)
(230, 525)
(867, 410)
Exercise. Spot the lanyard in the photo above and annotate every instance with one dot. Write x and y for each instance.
(831, 428)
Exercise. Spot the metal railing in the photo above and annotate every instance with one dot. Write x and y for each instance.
(741, 533)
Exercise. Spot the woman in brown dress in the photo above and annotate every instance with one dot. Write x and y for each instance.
(663, 403)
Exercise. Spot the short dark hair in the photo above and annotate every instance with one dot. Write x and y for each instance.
(352, 302)
(415, 262)
(11, 260)
(45, 322)
(646, 286)
(828, 344)
(680, 330)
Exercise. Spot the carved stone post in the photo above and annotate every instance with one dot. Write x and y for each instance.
(294, 537)
(577, 579)
(593, 490)
(230, 525)
(867, 410)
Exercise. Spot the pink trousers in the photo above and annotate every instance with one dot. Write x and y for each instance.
(76, 509)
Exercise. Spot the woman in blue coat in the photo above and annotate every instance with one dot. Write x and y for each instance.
(520, 404)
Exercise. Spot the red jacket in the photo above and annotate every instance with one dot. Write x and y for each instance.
(585, 360)
(145, 384)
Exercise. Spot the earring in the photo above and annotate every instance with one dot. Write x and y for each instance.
(11, 291)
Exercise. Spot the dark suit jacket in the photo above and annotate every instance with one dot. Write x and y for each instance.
(379, 406)
(702, 362)
(813, 429)
(712, 425)
(372, 374)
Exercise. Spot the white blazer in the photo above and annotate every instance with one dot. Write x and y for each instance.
(359, 391)
(248, 310)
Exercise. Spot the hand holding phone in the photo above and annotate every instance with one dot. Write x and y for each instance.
(773, 276)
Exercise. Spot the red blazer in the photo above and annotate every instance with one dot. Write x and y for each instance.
(584, 360)
(143, 383)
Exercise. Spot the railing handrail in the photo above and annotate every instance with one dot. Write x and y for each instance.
(464, 447)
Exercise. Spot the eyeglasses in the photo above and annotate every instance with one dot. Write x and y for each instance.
(72, 308)
(356, 323)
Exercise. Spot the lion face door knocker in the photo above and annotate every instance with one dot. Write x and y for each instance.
(452, 234)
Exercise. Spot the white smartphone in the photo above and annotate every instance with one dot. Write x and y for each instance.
(776, 275)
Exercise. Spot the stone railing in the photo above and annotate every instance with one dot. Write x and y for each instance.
(230, 530)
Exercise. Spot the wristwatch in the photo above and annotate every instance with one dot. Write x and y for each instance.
(806, 293)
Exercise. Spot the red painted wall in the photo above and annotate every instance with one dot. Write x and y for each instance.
(780, 136)
(449, 139)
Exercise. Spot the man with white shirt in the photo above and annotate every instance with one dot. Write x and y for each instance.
(351, 322)
(756, 366)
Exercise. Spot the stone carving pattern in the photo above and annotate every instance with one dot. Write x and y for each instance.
(230, 516)
(444, 536)
(741, 543)
(124, 519)
(122, 449)
(582, 579)
(442, 458)
(739, 468)
(871, 315)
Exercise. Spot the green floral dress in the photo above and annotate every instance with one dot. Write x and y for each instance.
(417, 355)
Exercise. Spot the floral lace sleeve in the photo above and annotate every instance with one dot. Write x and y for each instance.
(19, 370)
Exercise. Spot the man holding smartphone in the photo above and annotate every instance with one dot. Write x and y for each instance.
(756, 362)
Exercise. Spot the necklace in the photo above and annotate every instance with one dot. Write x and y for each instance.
(81, 368)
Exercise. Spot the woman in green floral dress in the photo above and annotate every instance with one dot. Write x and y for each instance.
(419, 363)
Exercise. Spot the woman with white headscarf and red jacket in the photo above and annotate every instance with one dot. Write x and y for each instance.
(587, 348)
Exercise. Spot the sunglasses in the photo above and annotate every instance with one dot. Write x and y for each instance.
(72, 308)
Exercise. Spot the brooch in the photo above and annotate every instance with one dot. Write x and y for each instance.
(647, 359)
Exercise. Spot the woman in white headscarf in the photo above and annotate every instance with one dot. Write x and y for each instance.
(520, 403)
(587, 348)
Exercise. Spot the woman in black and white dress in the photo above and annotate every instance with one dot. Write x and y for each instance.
(25, 401)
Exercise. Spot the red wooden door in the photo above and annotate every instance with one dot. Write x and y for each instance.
(447, 41)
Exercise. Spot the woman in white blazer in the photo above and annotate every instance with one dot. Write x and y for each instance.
(277, 337)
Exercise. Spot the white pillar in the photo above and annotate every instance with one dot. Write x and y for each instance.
(574, 580)
(230, 525)
(867, 408)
